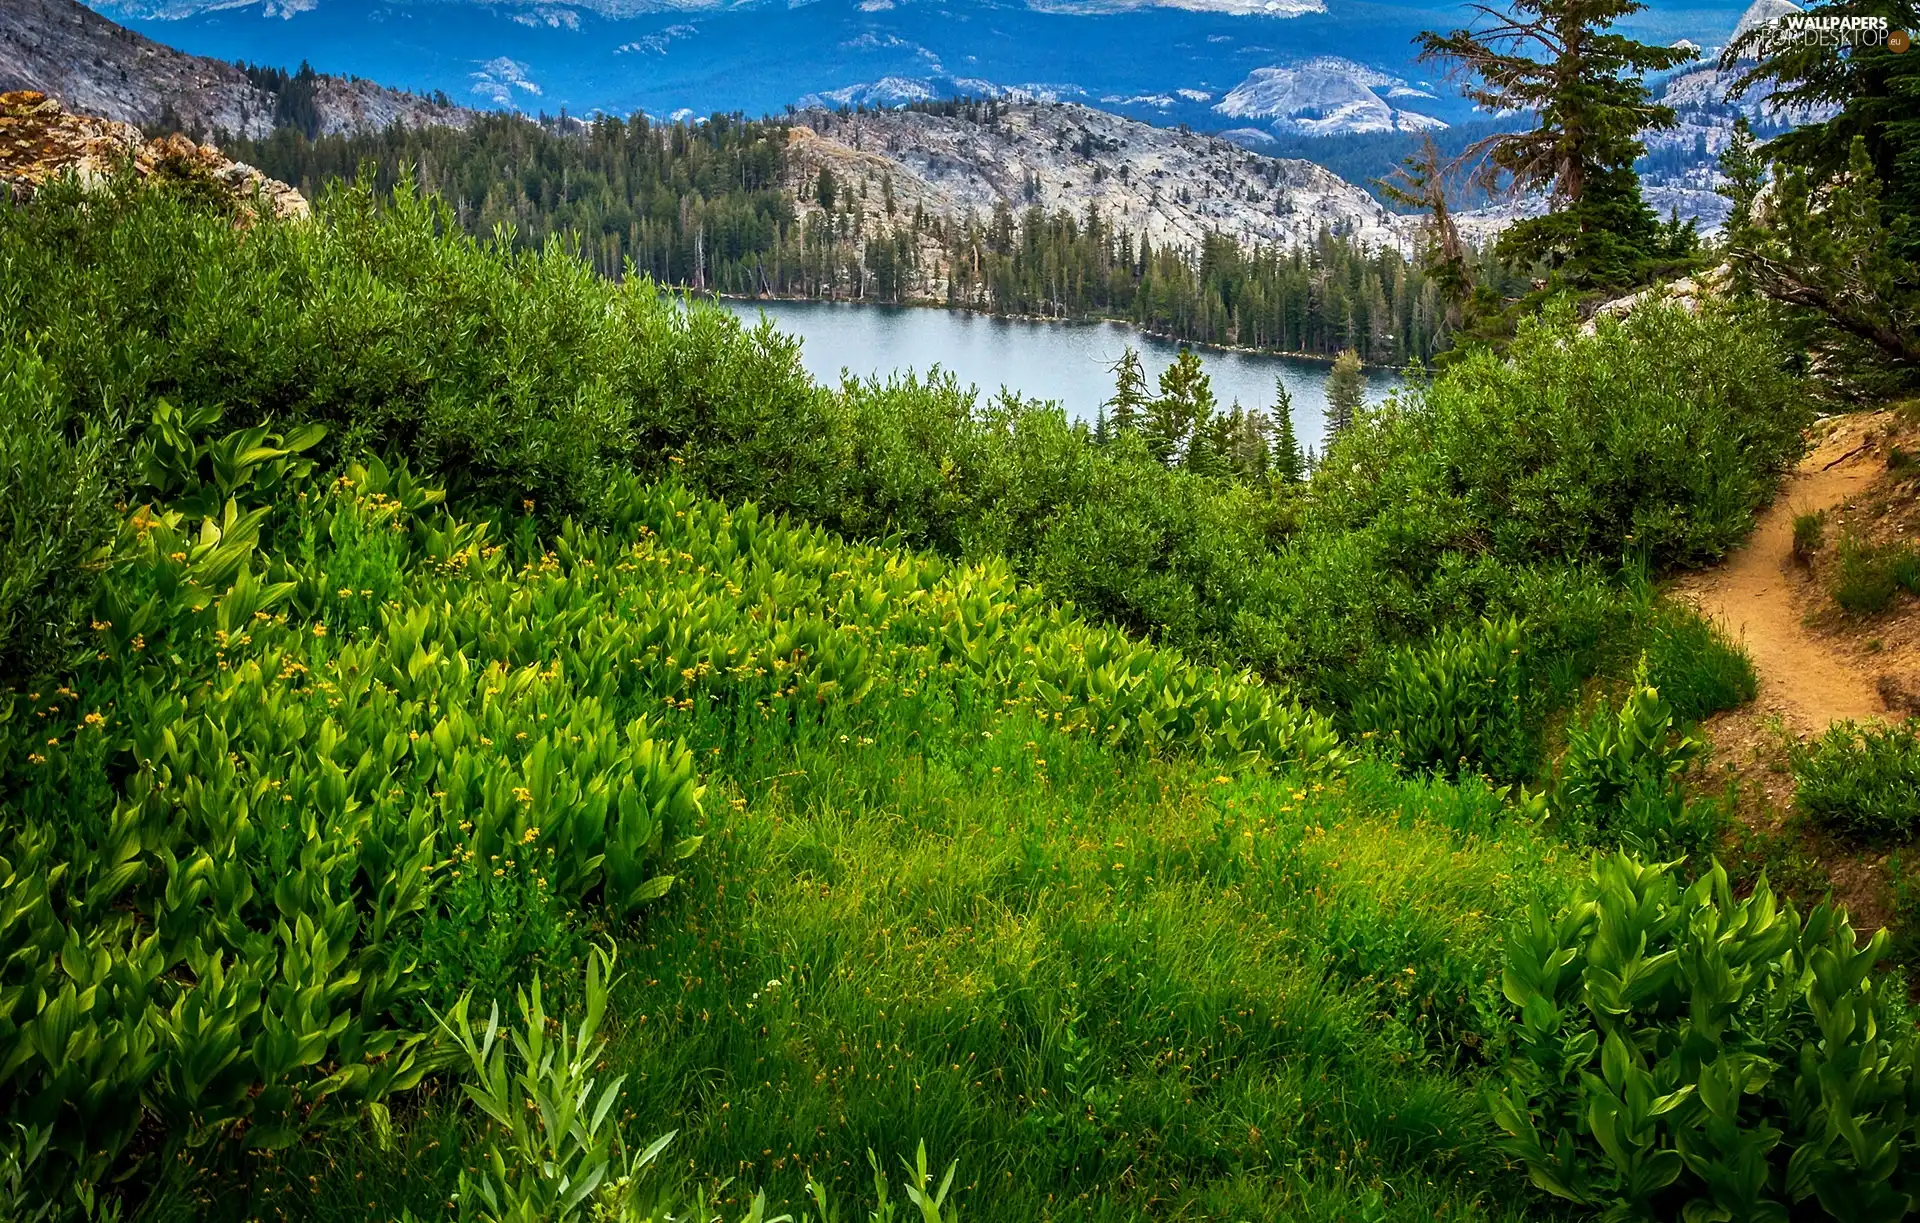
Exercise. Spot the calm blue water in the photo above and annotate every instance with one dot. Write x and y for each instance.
(1065, 362)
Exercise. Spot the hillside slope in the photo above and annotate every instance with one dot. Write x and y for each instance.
(1175, 187)
(62, 48)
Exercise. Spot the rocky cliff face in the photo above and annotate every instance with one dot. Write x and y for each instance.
(62, 48)
(41, 140)
(1172, 186)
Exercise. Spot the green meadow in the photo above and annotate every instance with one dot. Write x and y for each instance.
(465, 720)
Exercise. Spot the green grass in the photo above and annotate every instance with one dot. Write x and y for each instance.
(1118, 933)
(1869, 577)
(1862, 781)
(1698, 671)
(892, 847)
(1809, 533)
(1105, 987)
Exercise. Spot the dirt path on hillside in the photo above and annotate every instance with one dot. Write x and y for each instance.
(1757, 595)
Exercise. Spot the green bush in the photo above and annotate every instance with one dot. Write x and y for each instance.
(55, 515)
(1869, 576)
(215, 829)
(1659, 435)
(515, 377)
(1682, 1054)
(1697, 671)
(1861, 781)
(1461, 705)
(1619, 780)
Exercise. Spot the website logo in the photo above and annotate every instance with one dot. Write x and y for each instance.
(1823, 30)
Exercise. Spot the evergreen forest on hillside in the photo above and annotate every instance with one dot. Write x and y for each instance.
(483, 739)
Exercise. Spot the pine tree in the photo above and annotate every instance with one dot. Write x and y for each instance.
(1216, 446)
(1101, 433)
(1830, 252)
(1871, 90)
(1249, 447)
(1201, 458)
(1839, 244)
(1289, 463)
(824, 189)
(1346, 393)
(1185, 401)
(1560, 61)
(1129, 402)
(1746, 172)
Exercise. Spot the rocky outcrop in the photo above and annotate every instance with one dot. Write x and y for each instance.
(1173, 187)
(40, 141)
(65, 49)
(1689, 294)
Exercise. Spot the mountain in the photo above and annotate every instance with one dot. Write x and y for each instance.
(1175, 188)
(62, 48)
(1157, 61)
(1328, 95)
(1681, 168)
(1297, 66)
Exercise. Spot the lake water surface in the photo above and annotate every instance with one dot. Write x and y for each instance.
(1068, 363)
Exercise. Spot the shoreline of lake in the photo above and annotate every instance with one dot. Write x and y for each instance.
(1069, 320)
(1064, 361)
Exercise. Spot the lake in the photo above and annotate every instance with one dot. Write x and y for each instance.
(1068, 363)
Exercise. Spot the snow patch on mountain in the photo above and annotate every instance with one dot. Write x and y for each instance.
(497, 79)
(538, 18)
(1324, 96)
(887, 91)
(656, 44)
(895, 91)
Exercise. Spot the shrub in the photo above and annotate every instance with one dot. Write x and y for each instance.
(511, 377)
(1460, 705)
(1869, 575)
(1659, 435)
(215, 826)
(1680, 1054)
(1619, 780)
(1861, 781)
(55, 515)
(1696, 670)
(1809, 532)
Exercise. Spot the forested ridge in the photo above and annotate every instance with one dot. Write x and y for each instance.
(708, 206)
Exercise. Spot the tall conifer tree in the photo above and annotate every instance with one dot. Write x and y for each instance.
(1561, 61)
(1289, 463)
(1185, 403)
(1346, 393)
(1130, 399)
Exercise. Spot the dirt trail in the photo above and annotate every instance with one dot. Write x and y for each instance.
(1758, 595)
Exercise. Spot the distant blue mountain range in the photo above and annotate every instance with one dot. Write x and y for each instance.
(1257, 68)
